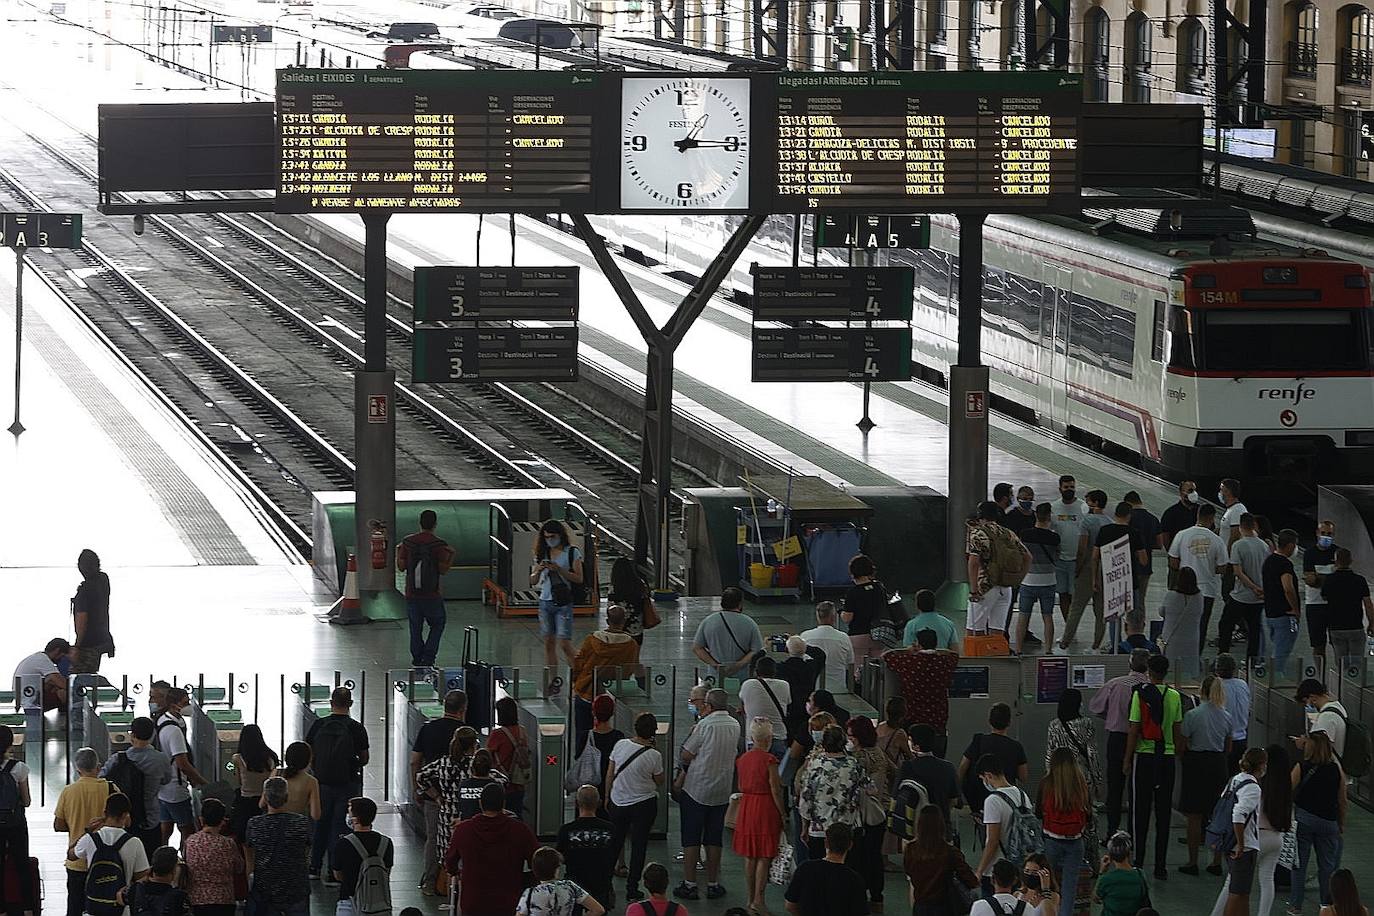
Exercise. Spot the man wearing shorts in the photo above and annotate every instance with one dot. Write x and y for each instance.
(1068, 523)
(1039, 585)
(988, 604)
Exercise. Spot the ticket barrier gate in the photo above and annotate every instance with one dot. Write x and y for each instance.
(1043, 679)
(1357, 696)
(548, 724)
(1275, 713)
(414, 702)
(312, 703)
(85, 694)
(214, 742)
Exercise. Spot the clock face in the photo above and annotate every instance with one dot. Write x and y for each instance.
(684, 143)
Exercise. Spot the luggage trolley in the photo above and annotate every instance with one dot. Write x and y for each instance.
(511, 544)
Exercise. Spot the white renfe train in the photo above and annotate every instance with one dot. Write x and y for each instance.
(1253, 363)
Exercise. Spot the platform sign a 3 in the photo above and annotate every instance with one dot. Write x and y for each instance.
(40, 230)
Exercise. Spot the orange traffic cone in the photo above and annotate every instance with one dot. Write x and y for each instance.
(349, 608)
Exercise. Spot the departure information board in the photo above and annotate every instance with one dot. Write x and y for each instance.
(434, 140)
(605, 142)
(831, 355)
(930, 140)
(842, 293)
(496, 293)
(505, 354)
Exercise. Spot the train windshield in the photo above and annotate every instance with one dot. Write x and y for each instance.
(1284, 340)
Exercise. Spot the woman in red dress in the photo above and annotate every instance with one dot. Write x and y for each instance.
(758, 824)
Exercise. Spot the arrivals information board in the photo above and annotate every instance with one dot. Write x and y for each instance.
(605, 142)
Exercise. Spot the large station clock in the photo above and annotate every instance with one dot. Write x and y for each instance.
(684, 143)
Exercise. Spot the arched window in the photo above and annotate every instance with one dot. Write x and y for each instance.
(1097, 53)
(1357, 57)
(1302, 49)
(1192, 56)
(1139, 51)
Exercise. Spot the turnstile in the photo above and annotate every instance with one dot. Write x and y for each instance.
(312, 703)
(1357, 696)
(1275, 713)
(546, 723)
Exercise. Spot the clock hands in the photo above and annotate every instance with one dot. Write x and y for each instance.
(690, 141)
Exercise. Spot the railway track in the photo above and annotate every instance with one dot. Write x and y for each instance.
(518, 435)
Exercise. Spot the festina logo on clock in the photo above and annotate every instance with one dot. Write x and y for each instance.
(684, 143)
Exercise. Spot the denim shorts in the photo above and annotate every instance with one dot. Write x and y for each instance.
(1065, 571)
(175, 812)
(1032, 594)
(555, 619)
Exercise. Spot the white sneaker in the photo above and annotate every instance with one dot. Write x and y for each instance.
(1055, 650)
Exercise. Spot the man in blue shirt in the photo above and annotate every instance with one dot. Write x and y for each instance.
(927, 619)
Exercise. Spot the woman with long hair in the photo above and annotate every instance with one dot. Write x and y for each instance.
(1320, 799)
(1183, 620)
(866, 853)
(557, 568)
(931, 864)
(442, 781)
(892, 736)
(302, 788)
(1345, 896)
(1206, 731)
(1275, 819)
(1065, 805)
(629, 591)
(254, 764)
(1071, 729)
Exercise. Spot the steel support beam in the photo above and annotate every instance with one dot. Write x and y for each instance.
(671, 26)
(1228, 74)
(374, 480)
(1054, 48)
(770, 42)
(901, 30)
(653, 516)
(968, 400)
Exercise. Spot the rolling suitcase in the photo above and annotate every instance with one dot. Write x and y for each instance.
(10, 895)
(478, 681)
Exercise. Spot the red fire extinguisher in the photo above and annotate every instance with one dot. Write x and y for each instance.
(379, 551)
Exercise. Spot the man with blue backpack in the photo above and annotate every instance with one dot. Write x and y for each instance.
(424, 557)
(114, 858)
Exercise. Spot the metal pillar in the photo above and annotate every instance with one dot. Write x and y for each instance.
(968, 400)
(1228, 75)
(16, 427)
(653, 517)
(771, 44)
(374, 484)
(676, 25)
(1056, 42)
(881, 56)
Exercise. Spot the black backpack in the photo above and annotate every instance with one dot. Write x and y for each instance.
(169, 902)
(336, 756)
(128, 778)
(11, 805)
(105, 878)
(422, 565)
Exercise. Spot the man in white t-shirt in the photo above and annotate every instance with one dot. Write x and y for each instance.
(114, 830)
(1330, 714)
(839, 651)
(1002, 799)
(1003, 903)
(767, 702)
(1200, 549)
(174, 799)
(39, 672)
(1229, 496)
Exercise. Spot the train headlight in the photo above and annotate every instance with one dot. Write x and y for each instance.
(1213, 439)
(1359, 438)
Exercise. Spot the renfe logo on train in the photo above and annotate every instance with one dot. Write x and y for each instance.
(1296, 395)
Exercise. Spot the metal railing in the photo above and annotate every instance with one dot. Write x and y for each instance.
(1302, 60)
(1356, 67)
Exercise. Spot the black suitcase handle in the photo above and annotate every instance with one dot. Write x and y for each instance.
(470, 645)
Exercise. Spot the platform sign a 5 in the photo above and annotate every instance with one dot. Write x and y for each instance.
(40, 230)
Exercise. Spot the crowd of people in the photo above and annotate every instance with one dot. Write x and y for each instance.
(811, 798)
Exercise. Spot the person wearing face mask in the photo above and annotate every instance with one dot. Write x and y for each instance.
(1200, 549)
(1229, 496)
(1068, 522)
(1318, 562)
(557, 569)
(1021, 515)
(1180, 516)
(353, 847)
(1086, 589)
(1349, 610)
(806, 750)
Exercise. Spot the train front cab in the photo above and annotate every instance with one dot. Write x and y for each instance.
(1270, 372)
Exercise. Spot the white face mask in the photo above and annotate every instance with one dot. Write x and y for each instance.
(1221, 497)
(553, 541)
(1194, 498)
